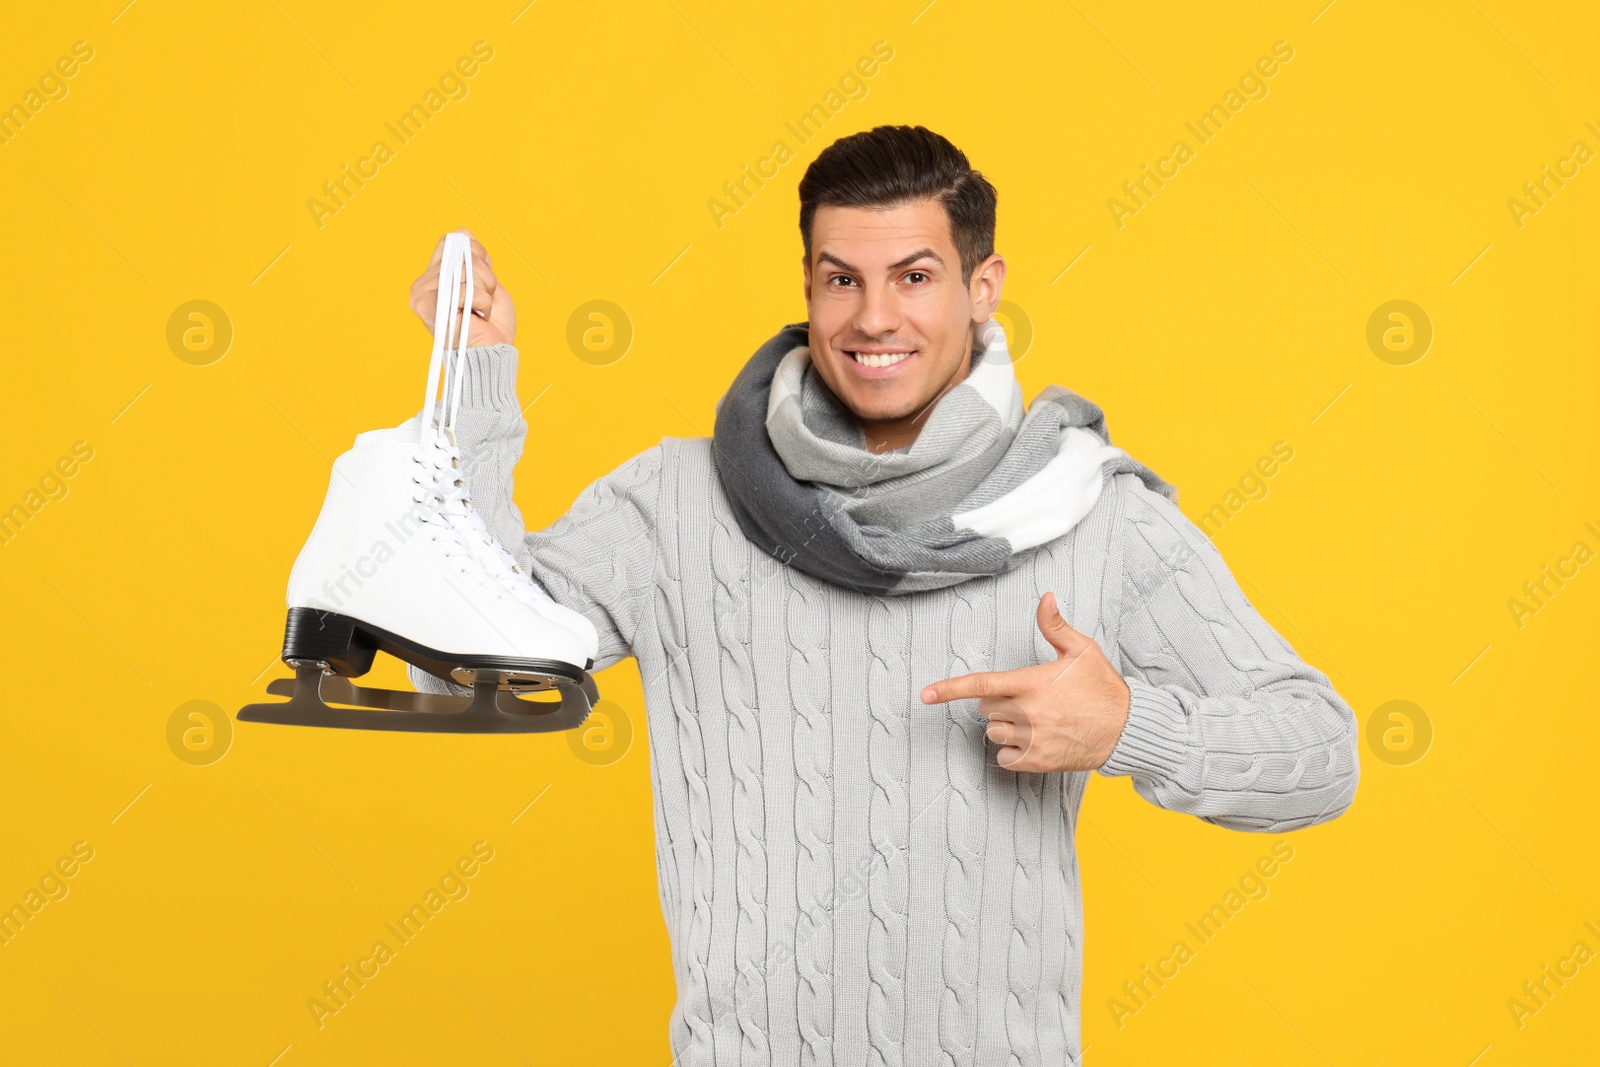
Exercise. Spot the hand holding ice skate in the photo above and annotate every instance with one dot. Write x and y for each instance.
(399, 561)
(494, 316)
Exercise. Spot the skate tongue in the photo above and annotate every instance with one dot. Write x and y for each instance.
(396, 436)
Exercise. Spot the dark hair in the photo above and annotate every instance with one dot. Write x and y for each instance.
(889, 166)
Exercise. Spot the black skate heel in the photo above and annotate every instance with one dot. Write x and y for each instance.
(322, 636)
(326, 650)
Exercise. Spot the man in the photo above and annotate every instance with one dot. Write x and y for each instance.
(858, 580)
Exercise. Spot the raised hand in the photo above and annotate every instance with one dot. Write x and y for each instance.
(494, 317)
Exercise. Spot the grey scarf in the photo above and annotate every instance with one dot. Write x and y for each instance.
(982, 483)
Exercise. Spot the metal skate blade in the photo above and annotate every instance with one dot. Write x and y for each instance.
(490, 709)
(516, 681)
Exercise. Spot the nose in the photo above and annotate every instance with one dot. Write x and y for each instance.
(878, 314)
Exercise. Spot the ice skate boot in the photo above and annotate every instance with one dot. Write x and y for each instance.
(399, 561)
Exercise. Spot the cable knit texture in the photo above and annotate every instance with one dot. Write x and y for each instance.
(846, 874)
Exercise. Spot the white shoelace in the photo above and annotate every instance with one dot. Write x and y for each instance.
(436, 468)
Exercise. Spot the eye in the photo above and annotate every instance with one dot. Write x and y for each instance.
(913, 275)
(840, 278)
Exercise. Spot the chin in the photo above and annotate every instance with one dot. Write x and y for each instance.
(878, 407)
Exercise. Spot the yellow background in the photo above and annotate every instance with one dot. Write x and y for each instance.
(1227, 315)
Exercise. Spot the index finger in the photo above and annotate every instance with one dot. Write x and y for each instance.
(981, 684)
(478, 251)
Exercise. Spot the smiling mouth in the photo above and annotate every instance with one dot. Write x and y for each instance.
(878, 359)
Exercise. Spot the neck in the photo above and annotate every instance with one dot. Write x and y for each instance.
(887, 435)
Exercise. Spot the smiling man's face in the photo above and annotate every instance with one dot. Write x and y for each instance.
(891, 320)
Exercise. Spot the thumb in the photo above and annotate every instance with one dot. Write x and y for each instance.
(502, 319)
(1062, 637)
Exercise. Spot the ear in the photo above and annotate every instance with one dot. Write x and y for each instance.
(988, 278)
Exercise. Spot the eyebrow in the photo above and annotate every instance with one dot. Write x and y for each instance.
(921, 253)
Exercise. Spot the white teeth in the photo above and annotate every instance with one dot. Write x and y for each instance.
(887, 359)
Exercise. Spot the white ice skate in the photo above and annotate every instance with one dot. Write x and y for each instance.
(400, 561)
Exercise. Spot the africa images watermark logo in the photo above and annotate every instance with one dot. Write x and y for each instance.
(451, 85)
(1253, 886)
(339, 991)
(852, 86)
(1252, 85)
(52, 86)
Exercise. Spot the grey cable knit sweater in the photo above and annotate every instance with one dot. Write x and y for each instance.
(846, 874)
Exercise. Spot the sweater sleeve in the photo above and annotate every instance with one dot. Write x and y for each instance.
(597, 559)
(1226, 722)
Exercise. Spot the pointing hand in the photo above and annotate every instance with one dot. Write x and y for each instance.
(1064, 715)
